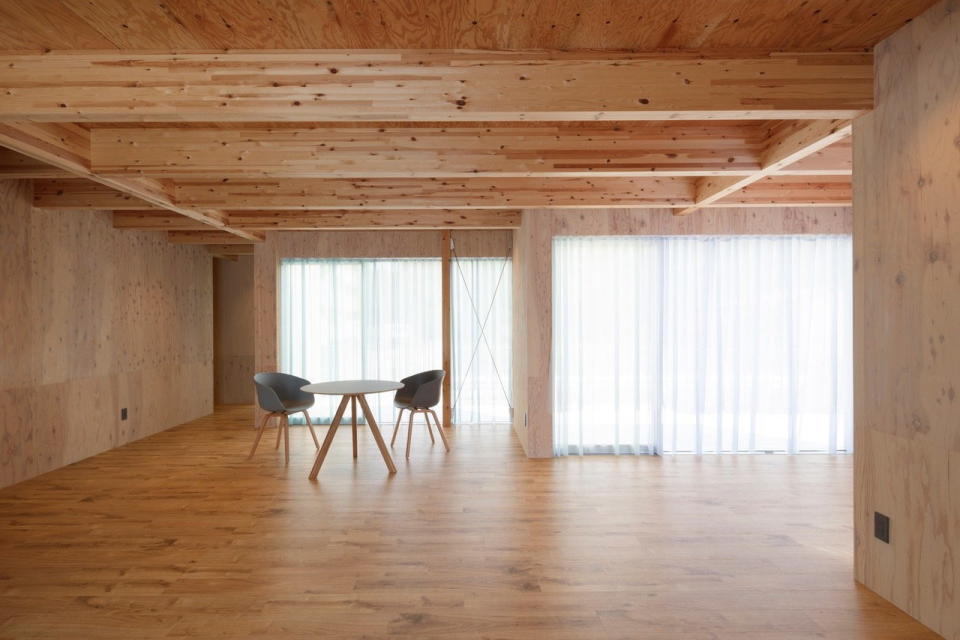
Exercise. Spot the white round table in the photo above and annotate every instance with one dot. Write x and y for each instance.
(352, 391)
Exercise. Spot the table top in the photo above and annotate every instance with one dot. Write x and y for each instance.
(352, 387)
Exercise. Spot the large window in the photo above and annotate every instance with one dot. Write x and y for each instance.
(381, 318)
(702, 344)
(355, 319)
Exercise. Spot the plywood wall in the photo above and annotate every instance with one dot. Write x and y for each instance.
(533, 278)
(347, 244)
(92, 320)
(233, 331)
(907, 321)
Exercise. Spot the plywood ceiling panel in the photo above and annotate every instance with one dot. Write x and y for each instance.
(642, 25)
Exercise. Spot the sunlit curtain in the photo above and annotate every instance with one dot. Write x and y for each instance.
(702, 344)
(481, 297)
(359, 319)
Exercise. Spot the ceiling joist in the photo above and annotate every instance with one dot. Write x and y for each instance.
(430, 85)
(469, 197)
(452, 151)
(67, 146)
(788, 143)
(328, 220)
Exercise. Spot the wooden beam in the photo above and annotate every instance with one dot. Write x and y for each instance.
(343, 220)
(787, 144)
(67, 146)
(16, 166)
(429, 85)
(155, 220)
(447, 151)
(389, 219)
(792, 191)
(76, 193)
(446, 328)
(210, 237)
(435, 193)
(835, 160)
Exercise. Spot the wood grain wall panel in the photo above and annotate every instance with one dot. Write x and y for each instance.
(233, 331)
(533, 286)
(346, 244)
(906, 315)
(94, 320)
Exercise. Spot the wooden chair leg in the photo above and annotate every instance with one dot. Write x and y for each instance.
(410, 431)
(396, 428)
(286, 439)
(446, 445)
(279, 429)
(313, 433)
(256, 440)
(426, 418)
(353, 417)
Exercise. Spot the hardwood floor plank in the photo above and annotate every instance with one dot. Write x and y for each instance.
(181, 536)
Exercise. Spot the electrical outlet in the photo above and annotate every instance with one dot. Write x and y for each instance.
(123, 413)
(881, 527)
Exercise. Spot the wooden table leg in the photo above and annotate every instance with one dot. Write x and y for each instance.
(376, 433)
(329, 439)
(353, 414)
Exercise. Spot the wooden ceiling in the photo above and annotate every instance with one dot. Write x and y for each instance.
(397, 114)
(638, 25)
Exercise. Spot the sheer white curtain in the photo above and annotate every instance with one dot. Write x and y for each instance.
(482, 292)
(351, 319)
(702, 344)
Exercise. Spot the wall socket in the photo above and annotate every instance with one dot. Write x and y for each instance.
(123, 413)
(881, 527)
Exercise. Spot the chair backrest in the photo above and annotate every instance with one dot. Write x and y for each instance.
(422, 390)
(278, 391)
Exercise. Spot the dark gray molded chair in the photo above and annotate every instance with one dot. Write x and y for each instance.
(279, 394)
(420, 393)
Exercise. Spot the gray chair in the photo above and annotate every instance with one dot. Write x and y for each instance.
(420, 393)
(279, 394)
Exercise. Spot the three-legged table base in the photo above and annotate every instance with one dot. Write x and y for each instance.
(353, 399)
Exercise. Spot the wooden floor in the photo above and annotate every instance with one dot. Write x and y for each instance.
(179, 535)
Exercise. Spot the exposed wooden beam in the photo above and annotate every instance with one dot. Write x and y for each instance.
(787, 144)
(435, 193)
(16, 166)
(67, 146)
(792, 191)
(389, 219)
(155, 220)
(77, 193)
(834, 160)
(210, 237)
(446, 151)
(429, 85)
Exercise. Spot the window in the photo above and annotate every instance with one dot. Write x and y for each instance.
(352, 319)
(702, 344)
(346, 319)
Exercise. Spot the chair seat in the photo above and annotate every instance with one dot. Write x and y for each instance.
(297, 407)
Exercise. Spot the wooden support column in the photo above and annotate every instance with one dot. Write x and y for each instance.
(447, 332)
